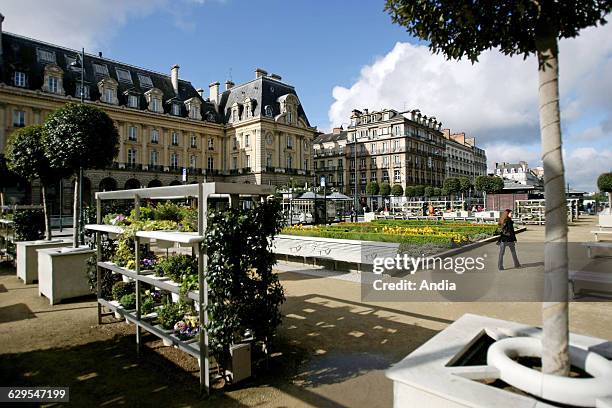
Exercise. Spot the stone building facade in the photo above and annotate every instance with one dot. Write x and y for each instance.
(256, 132)
(463, 157)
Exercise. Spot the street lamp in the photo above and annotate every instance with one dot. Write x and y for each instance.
(79, 62)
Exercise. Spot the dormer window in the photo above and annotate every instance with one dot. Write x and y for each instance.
(176, 109)
(268, 111)
(77, 92)
(108, 89)
(53, 84)
(154, 99)
(19, 79)
(133, 101)
(193, 112)
(109, 95)
(155, 105)
(123, 75)
(46, 56)
(100, 69)
(53, 79)
(145, 81)
(289, 117)
(193, 106)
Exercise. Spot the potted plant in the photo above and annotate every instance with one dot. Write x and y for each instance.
(604, 182)
(168, 315)
(119, 290)
(187, 329)
(26, 158)
(76, 137)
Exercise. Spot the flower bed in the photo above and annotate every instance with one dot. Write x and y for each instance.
(404, 232)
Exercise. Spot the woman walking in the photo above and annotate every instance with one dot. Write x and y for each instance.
(507, 238)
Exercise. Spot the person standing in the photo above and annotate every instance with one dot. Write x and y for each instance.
(507, 238)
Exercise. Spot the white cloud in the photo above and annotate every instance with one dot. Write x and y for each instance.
(74, 23)
(510, 153)
(584, 164)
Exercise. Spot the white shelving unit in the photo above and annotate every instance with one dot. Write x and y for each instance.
(202, 192)
(534, 211)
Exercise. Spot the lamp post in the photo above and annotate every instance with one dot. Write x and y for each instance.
(81, 64)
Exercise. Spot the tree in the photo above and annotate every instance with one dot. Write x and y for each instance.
(452, 186)
(428, 191)
(520, 27)
(397, 190)
(488, 185)
(385, 189)
(26, 157)
(604, 182)
(79, 136)
(419, 190)
(437, 192)
(372, 188)
(410, 191)
(465, 185)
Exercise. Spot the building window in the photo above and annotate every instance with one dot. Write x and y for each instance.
(175, 139)
(145, 81)
(211, 144)
(268, 111)
(269, 160)
(211, 163)
(85, 91)
(234, 163)
(289, 142)
(385, 176)
(154, 158)
(19, 79)
(289, 162)
(46, 56)
(109, 95)
(155, 105)
(176, 109)
(123, 75)
(100, 69)
(133, 101)
(397, 159)
(194, 141)
(154, 136)
(132, 157)
(193, 161)
(397, 175)
(289, 117)
(18, 118)
(235, 142)
(132, 133)
(248, 161)
(305, 164)
(193, 112)
(174, 161)
(373, 176)
(53, 84)
(247, 140)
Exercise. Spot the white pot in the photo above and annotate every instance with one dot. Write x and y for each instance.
(27, 258)
(61, 274)
(167, 342)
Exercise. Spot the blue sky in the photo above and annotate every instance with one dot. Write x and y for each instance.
(341, 55)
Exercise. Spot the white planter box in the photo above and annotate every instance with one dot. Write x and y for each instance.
(27, 258)
(241, 362)
(605, 220)
(429, 378)
(62, 273)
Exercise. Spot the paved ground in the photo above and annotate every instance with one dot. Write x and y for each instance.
(332, 351)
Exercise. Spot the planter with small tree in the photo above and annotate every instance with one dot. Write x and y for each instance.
(76, 137)
(604, 182)
(26, 158)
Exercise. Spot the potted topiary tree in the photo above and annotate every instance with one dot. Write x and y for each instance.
(26, 158)
(604, 182)
(76, 137)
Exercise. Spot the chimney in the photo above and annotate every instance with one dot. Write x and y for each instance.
(229, 85)
(214, 92)
(174, 71)
(1, 20)
(100, 54)
(365, 111)
(260, 73)
(337, 130)
(276, 76)
(201, 92)
(446, 133)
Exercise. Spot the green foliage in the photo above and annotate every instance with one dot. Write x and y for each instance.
(189, 218)
(429, 191)
(121, 289)
(419, 190)
(145, 213)
(397, 190)
(452, 185)
(170, 313)
(167, 211)
(124, 253)
(410, 191)
(244, 292)
(489, 184)
(385, 189)
(79, 135)
(107, 247)
(465, 184)
(26, 156)
(458, 29)
(128, 301)
(177, 267)
(372, 188)
(29, 225)
(604, 182)
(437, 192)
(148, 305)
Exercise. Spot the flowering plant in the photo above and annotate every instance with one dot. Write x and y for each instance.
(187, 329)
(148, 262)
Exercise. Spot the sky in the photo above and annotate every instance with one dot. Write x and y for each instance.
(341, 55)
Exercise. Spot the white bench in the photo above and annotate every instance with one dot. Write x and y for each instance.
(599, 232)
(591, 245)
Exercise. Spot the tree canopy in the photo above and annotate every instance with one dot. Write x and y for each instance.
(372, 188)
(397, 190)
(489, 184)
(385, 188)
(465, 184)
(604, 182)
(460, 29)
(78, 135)
(452, 185)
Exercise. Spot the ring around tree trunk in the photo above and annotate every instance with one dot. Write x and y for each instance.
(555, 339)
(46, 213)
(75, 215)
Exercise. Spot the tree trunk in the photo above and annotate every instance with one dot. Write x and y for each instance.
(46, 214)
(555, 338)
(75, 215)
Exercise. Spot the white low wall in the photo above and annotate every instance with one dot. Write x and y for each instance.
(343, 250)
(27, 258)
